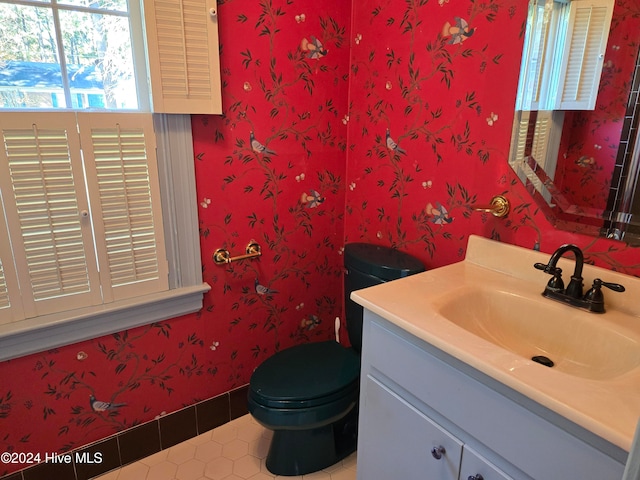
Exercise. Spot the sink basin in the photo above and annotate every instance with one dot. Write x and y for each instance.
(578, 343)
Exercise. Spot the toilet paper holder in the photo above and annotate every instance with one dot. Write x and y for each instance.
(222, 256)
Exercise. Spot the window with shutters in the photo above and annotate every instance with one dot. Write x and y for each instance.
(93, 55)
(82, 208)
(94, 187)
(563, 54)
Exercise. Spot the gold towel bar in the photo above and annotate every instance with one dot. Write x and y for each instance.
(222, 255)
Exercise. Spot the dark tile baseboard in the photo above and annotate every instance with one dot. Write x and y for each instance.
(142, 440)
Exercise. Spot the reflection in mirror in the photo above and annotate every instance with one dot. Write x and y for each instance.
(576, 119)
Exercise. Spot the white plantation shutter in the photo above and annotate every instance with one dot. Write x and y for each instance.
(42, 184)
(546, 141)
(6, 314)
(76, 188)
(10, 302)
(519, 141)
(182, 45)
(4, 294)
(540, 143)
(583, 56)
(128, 251)
(125, 201)
(533, 141)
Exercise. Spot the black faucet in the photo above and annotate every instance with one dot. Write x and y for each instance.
(593, 300)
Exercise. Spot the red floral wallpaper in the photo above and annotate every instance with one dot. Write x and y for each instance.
(387, 124)
(271, 169)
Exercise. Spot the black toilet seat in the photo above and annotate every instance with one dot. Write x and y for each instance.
(306, 376)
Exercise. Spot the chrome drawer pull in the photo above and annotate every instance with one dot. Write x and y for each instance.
(438, 452)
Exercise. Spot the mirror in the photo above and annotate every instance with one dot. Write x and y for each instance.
(574, 134)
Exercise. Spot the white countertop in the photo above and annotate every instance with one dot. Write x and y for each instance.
(608, 407)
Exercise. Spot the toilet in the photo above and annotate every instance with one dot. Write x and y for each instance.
(308, 394)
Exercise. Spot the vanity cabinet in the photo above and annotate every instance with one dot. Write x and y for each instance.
(399, 432)
(426, 415)
(418, 447)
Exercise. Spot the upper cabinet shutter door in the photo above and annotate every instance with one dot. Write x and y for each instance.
(583, 56)
(120, 162)
(182, 44)
(46, 209)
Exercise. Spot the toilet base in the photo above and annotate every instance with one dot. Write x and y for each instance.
(299, 452)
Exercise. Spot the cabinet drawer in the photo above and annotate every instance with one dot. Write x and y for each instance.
(528, 441)
(396, 440)
(474, 467)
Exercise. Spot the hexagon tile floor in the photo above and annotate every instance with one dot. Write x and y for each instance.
(234, 451)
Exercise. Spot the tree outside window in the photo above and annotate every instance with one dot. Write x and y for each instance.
(66, 54)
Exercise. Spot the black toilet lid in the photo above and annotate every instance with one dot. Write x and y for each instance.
(305, 373)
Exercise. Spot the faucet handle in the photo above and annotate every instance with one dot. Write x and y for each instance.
(616, 287)
(551, 270)
(594, 296)
(555, 284)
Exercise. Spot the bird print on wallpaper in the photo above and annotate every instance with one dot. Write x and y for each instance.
(309, 323)
(392, 145)
(439, 214)
(585, 161)
(313, 48)
(258, 147)
(100, 406)
(262, 290)
(458, 32)
(311, 200)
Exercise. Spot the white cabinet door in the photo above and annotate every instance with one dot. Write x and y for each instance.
(476, 467)
(396, 441)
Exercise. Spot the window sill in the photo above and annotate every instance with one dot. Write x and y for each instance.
(50, 331)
